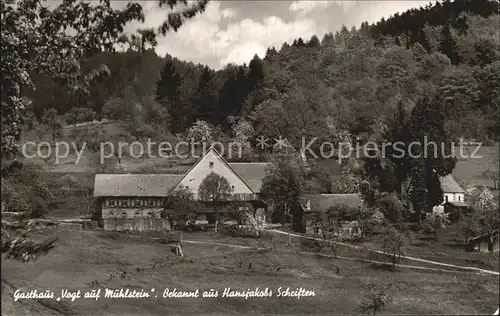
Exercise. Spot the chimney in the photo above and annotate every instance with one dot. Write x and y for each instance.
(308, 205)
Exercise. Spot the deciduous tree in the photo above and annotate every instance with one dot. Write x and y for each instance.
(486, 213)
(376, 298)
(180, 207)
(53, 123)
(216, 190)
(435, 222)
(284, 183)
(394, 243)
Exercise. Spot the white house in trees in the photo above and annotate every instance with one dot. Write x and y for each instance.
(453, 193)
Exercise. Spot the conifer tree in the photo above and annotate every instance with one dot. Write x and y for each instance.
(313, 42)
(168, 94)
(232, 95)
(271, 54)
(428, 162)
(206, 98)
(327, 39)
(256, 73)
(448, 46)
(423, 40)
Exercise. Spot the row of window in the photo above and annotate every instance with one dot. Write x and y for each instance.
(446, 198)
(140, 202)
(244, 197)
(137, 214)
(158, 202)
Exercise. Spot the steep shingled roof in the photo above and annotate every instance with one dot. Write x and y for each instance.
(251, 172)
(157, 185)
(449, 185)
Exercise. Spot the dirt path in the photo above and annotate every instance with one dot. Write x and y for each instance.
(387, 263)
(331, 256)
(90, 123)
(219, 244)
(478, 271)
(385, 253)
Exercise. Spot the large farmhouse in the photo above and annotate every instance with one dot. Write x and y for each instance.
(135, 201)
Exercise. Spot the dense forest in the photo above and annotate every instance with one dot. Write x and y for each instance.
(352, 81)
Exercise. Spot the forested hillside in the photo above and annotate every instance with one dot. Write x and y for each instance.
(350, 81)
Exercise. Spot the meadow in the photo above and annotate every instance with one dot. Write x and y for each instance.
(88, 260)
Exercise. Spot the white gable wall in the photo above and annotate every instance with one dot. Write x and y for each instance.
(448, 197)
(202, 169)
(453, 197)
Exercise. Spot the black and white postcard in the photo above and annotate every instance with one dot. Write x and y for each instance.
(174, 157)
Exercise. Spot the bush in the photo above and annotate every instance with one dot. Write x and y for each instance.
(434, 223)
(240, 231)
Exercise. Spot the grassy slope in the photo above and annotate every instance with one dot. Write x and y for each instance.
(470, 171)
(448, 248)
(74, 264)
(90, 161)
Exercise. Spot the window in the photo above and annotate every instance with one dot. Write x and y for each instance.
(151, 202)
(124, 214)
(137, 214)
(112, 202)
(232, 187)
(459, 198)
(110, 214)
(150, 214)
(211, 164)
(123, 202)
(137, 202)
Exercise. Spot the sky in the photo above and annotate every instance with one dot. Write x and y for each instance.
(234, 31)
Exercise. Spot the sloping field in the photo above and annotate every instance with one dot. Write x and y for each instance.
(470, 169)
(85, 260)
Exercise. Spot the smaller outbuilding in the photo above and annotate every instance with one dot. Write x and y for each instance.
(483, 243)
(321, 203)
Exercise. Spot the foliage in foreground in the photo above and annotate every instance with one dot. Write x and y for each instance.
(376, 298)
(34, 40)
